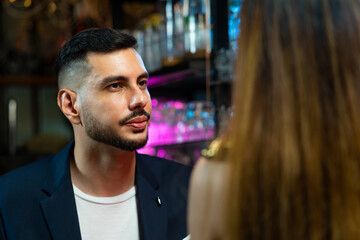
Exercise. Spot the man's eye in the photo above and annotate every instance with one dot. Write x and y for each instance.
(143, 83)
(114, 85)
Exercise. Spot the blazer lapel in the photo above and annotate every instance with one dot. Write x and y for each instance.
(59, 208)
(151, 204)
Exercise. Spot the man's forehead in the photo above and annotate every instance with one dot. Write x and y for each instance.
(125, 63)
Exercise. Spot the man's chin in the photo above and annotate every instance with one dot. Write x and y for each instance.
(139, 136)
(127, 145)
(126, 142)
(133, 144)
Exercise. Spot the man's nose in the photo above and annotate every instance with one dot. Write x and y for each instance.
(139, 99)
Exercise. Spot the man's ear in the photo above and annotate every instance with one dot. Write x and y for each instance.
(66, 101)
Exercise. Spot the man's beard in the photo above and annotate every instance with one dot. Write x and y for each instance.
(104, 134)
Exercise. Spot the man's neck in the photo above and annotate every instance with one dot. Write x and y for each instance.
(101, 170)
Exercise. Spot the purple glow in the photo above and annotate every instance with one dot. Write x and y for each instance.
(164, 134)
(154, 102)
(161, 153)
(170, 77)
(175, 122)
(179, 105)
(147, 150)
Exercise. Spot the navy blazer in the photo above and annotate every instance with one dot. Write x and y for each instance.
(37, 201)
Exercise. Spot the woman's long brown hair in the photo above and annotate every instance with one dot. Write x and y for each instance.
(295, 133)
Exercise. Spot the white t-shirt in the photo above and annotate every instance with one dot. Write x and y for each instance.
(107, 217)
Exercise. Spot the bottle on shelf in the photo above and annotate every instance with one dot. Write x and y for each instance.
(194, 14)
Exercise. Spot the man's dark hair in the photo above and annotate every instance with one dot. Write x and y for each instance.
(98, 40)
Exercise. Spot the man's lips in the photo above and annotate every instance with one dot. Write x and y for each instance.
(138, 122)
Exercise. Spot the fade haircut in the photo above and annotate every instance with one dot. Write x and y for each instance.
(72, 65)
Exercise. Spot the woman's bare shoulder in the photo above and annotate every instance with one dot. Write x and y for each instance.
(208, 171)
(207, 189)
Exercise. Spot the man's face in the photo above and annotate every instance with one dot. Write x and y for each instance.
(115, 102)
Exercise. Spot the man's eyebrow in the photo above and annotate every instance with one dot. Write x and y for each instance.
(111, 79)
(144, 75)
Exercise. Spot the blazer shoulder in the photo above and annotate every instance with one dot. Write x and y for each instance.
(168, 174)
